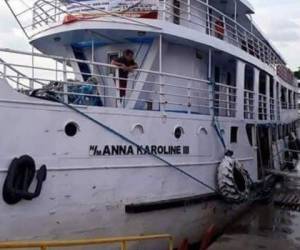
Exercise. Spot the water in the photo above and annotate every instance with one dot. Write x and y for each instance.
(265, 226)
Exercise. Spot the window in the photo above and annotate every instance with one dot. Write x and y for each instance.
(249, 129)
(249, 78)
(234, 134)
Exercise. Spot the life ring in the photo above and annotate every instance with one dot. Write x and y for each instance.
(19, 178)
(233, 180)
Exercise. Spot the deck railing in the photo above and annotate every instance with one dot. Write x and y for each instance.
(272, 109)
(225, 100)
(249, 111)
(121, 241)
(146, 89)
(195, 14)
(262, 107)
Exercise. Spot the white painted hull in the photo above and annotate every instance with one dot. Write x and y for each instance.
(85, 196)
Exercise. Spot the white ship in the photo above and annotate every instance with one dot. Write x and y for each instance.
(146, 161)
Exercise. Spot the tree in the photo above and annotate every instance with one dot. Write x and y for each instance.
(297, 73)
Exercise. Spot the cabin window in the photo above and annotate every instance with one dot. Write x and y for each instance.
(228, 78)
(262, 83)
(217, 75)
(290, 99)
(249, 129)
(234, 135)
(249, 78)
(283, 98)
(271, 87)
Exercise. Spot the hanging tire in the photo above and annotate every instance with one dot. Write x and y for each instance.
(233, 180)
(19, 177)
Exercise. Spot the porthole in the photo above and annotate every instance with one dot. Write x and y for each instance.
(137, 129)
(178, 132)
(202, 131)
(71, 129)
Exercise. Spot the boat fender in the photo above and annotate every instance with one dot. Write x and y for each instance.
(233, 180)
(20, 175)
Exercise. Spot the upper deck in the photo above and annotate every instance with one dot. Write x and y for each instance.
(229, 21)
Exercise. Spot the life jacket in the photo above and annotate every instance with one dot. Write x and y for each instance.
(219, 27)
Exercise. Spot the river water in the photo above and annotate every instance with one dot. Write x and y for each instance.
(265, 226)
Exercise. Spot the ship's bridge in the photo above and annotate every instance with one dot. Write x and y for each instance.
(184, 21)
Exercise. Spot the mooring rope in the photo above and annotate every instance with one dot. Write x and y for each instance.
(145, 150)
(214, 119)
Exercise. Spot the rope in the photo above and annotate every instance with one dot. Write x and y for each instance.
(214, 119)
(131, 142)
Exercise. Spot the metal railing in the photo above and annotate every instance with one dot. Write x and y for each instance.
(195, 14)
(225, 100)
(122, 241)
(272, 109)
(249, 111)
(262, 107)
(146, 89)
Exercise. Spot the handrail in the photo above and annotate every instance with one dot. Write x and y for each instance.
(43, 245)
(68, 59)
(231, 25)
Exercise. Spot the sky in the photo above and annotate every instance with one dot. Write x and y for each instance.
(278, 19)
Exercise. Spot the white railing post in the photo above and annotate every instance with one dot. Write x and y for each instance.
(65, 79)
(31, 83)
(256, 94)
(117, 80)
(208, 20)
(228, 99)
(18, 81)
(268, 99)
(4, 70)
(164, 10)
(189, 104)
(162, 98)
(240, 82)
(211, 86)
(93, 57)
(274, 99)
(189, 9)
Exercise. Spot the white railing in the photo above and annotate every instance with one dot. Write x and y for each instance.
(278, 109)
(249, 104)
(195, 14)
(225, 100)
(50, 73)
(146, 89)
(262, 107)
(272, 109)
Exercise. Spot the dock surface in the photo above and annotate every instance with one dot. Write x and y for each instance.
(252, 242)
(273, 226)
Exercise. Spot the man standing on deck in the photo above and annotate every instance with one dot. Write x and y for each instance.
(126, 64)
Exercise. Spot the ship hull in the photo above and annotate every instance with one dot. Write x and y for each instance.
(91, 178)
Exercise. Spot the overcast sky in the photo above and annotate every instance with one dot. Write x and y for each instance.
(279, 19)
